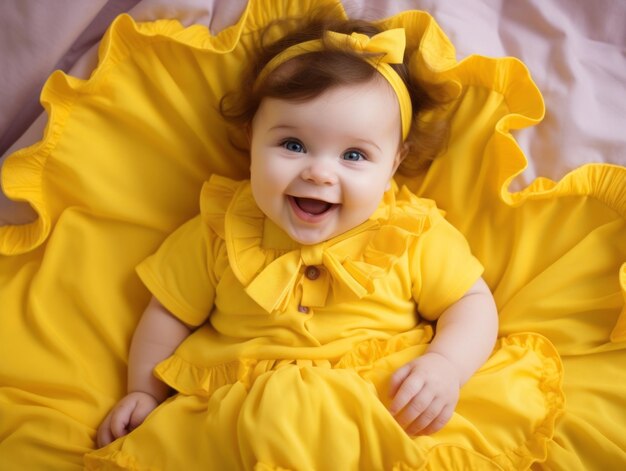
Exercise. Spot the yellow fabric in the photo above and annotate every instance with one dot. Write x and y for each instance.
(390, 44)
(310, 415)
(121, 164)
(257, 367)
(236, 259)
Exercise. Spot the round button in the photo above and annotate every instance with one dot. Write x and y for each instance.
(312, 273)
(303, 309)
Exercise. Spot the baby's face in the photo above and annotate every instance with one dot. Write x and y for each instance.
(319, 168)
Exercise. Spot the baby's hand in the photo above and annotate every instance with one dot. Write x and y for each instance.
(128, 413)
(424, 394)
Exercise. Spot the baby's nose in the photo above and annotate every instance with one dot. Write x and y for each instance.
(319, 173)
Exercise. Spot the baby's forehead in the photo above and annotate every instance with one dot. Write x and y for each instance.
(366, 89)
(374, 94)
(373, 100)
(368, 110)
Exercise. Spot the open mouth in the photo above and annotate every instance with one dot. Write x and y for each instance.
(311, 206)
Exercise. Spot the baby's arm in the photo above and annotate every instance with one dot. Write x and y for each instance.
(426, 390)
(156, 337)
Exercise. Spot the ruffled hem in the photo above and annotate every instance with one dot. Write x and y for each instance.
(193, 379)
(23, 175)
(535, 449)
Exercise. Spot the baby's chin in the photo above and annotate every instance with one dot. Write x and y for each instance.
(309, 237)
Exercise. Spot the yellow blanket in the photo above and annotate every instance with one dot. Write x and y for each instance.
(121, 165)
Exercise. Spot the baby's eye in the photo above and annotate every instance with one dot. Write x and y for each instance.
(353, 155)
(293, 145)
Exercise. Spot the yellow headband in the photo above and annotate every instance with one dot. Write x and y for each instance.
(390, 44)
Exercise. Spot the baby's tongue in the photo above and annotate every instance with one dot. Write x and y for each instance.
(312, 206)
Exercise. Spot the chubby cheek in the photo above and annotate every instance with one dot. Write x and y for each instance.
(267, 186)
(364, 197)
(265, 165)
(266, 182)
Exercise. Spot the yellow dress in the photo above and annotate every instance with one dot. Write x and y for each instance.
(296, 345)
(125, 154)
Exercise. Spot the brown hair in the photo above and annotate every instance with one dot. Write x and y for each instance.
(309, 75)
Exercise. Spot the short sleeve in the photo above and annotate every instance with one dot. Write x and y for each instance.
(442, 267)
(179, 274)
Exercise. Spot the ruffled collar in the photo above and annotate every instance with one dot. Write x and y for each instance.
(270, 265)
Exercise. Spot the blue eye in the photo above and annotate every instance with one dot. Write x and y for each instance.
(293, 146)
(353, 155)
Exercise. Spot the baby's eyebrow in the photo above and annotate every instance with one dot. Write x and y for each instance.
(368, 142)
(282, 126)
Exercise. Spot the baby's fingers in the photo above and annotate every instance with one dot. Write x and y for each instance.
(431, 420)
(397, 378)
(419, 406)
(120, 418)
(139, 414)
(405, 389)
(104, 435)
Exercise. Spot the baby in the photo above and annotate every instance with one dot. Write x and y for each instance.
(306, 294)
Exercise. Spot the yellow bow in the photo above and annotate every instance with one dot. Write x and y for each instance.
(275, 285)
(379, 51)
(390, 43)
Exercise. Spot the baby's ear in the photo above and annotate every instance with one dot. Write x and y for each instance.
(403, 151)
